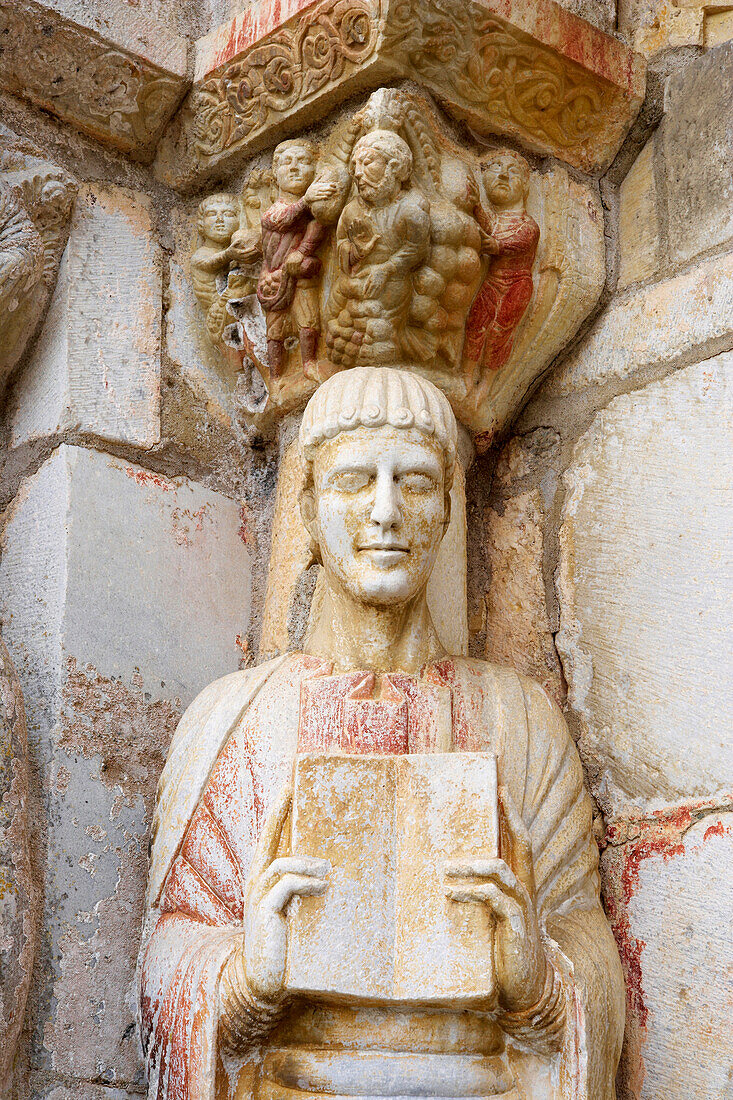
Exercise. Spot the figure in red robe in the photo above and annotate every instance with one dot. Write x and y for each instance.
(510, 236)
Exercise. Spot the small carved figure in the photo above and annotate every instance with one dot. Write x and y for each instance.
(291, 236)
(231, 892)
(383, 237)
(511, 236)
(218, 222)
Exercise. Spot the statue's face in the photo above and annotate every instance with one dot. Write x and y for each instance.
(379, 512)
(504, 181)
(219, 220)
(295, 169)
(375, 175)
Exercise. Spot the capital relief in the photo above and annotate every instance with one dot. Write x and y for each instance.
(36, 201)
(388, 243)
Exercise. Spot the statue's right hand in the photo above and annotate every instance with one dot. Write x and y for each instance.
(273, 882)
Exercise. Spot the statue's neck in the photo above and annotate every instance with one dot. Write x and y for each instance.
(353, 635)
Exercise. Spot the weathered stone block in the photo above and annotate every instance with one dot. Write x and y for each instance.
(96, 365)
(685, 318)
(107, 68)
(644, 594)
(638, 223)
(123, 594)
(80, 1090)
(718, 28)
(517, 628)
(669, 895)
(697, 142)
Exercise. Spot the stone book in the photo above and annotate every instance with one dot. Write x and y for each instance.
(384, 930)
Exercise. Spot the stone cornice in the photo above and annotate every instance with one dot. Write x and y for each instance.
(108, 70)
(527, 70)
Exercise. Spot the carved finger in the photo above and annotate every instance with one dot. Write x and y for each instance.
(269, 840)
(502, 906)
(290, 885)
(496, 869)
(294, 865)
(519, 840)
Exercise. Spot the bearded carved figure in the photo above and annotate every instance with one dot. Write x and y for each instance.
(373, 872)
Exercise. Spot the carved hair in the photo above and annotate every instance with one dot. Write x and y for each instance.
(521, 163)
(392, 146)
(219, 196)
(292, 143)
(371, 397)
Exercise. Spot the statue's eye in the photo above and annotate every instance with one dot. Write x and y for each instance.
(350, 481)
(417, 483)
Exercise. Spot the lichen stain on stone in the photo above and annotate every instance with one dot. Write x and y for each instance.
(106, 718)
(92, 1031)
(628, 844)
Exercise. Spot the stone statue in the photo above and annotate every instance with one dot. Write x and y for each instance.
(383, 237)
(248, 988)
(511, 236)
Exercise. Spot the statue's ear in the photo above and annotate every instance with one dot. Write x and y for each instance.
(308, 511)
(446, 517)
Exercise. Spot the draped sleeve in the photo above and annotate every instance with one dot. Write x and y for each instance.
(549, 791)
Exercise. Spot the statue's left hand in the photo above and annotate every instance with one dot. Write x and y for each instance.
(521, 961)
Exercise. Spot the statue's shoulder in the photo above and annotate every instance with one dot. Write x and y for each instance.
(202, 733)
(505, 683)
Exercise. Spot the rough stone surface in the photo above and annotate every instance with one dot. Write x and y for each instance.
(601, 13)
(638, 224)
(96, 365)
(643, 590)
(97, 554)
(697, 143)
(81, 1090)
(670, 897)
(517, 627)
(637, 331)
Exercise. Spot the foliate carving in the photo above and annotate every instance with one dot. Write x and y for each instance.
(484, 62)
(105, 91)
(301, 59)
(35, 208)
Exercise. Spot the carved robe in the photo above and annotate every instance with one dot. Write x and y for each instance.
(232, 754)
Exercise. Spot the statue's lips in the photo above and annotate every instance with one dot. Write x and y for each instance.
(385, 555)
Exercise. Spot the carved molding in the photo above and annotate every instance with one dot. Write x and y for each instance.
(101, 87)
(532, 71)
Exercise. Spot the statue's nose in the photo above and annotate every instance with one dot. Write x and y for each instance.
(386, 510)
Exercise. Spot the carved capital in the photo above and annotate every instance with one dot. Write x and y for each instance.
(119, 81)
(531, 71)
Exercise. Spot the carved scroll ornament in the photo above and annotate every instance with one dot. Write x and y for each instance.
(109, 92)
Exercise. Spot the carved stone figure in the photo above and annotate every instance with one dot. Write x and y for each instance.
(275, 945)
(18, 893)
(291, 236)
(34, 219)
(511, 236)
(383, 236)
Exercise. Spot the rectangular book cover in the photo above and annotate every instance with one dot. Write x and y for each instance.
(384, 930)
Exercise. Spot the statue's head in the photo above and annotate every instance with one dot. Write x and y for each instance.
(380, 163)
(379, 450)
(506, 178)
(294, 165)
(219, 217)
